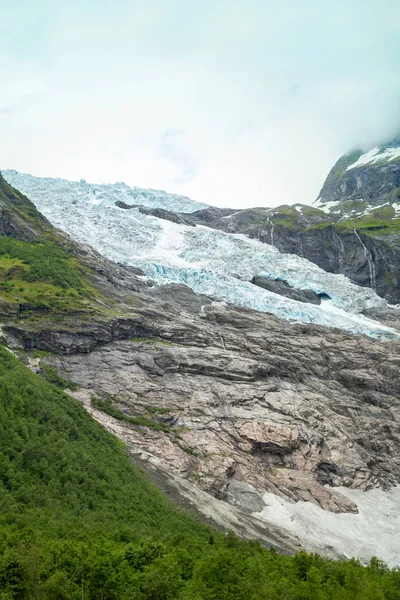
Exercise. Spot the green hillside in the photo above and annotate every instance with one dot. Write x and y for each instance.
(79, 521)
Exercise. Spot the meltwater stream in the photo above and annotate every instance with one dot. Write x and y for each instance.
(211, 262)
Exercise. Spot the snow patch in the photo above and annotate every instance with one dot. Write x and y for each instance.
(232, 215)
(326, 206)
(375, 531)
(373, 156)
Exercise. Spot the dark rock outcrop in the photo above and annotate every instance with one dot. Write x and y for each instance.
(165, 214)
(284, 289)
(160, 213)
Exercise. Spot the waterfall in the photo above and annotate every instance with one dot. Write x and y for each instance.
(272, 230)
(371, 265)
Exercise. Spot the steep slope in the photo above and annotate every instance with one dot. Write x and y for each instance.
(231, 406)
(18, 216)
(351, 235)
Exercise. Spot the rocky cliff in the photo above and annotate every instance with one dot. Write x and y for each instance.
(228, 401)
(373, 176)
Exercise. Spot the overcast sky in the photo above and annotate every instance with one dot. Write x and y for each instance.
(237, 104)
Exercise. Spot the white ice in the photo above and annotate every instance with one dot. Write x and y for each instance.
(375, 531)
(211, 262)
(104, 194)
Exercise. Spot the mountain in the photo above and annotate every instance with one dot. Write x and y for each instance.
(372, 178)
(282, 431)
(353, 228)
(212, 262)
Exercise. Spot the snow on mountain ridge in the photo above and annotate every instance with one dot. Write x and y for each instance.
(209, 261)
(376, 155)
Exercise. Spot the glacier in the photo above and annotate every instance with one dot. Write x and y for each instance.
(101, 193)
(210, 262)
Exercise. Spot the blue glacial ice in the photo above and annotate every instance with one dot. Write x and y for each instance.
(211, 262)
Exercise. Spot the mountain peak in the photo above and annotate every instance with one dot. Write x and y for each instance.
(371, 176)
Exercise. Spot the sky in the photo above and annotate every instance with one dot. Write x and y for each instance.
(233, 103)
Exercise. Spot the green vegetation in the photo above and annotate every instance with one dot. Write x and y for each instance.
(311, 211)
(349, 206)
(370, 225)
(158, 410)
(40, 353)
(384, 212)
(79, 521)
(140, 420)
(51, 375)
(286, 210)
(40, 276)
(394, 195)
(285, 215)
(377, 223)
(341, 166)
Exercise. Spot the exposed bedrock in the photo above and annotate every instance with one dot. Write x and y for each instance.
(248, 403)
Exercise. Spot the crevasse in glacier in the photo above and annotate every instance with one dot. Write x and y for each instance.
(211, 262)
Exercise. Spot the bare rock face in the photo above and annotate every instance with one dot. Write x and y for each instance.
(239, 403)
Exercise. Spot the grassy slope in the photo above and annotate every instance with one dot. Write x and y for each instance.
(40, 273)
(380, 222)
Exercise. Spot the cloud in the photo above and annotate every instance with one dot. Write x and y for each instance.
(231, 103)
(173, 150)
